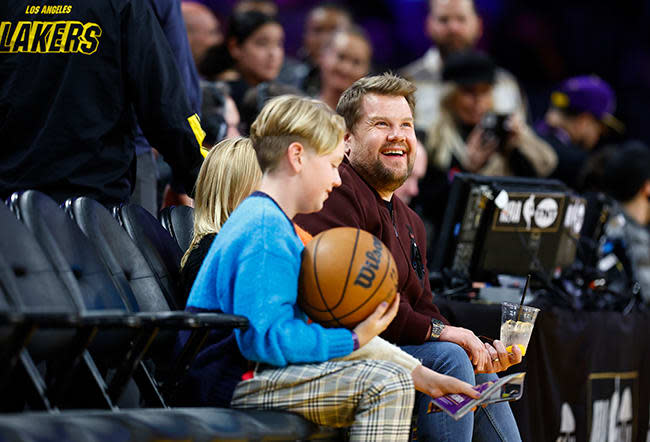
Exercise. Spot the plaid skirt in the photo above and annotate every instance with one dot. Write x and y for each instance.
(374, 398)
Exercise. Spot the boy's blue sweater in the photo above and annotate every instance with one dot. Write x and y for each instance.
(252, 270)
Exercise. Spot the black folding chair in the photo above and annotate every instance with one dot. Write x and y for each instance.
(119, 339)
(158, 247)
(52, 334)
(131, 271)
(179, 222)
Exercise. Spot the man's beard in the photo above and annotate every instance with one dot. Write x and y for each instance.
(382, 178)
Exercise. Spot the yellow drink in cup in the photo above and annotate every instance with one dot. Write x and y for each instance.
(516, 327)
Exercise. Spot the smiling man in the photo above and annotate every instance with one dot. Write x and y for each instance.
(380, 147)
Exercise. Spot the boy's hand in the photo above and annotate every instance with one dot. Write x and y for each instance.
(435, 384)
(377, 321)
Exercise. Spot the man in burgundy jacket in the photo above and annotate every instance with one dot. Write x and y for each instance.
(381, 146)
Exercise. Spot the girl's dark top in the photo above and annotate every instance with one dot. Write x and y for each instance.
(193, 263)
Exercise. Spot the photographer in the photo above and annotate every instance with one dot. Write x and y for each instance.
(468, 137)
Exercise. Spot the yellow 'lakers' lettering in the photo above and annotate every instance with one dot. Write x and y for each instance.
(49, 37)
(42, 31)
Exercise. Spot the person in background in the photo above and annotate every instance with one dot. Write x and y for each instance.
(344, 59)
(220, 120)
(454, 25)
(268, 7)
(145, 192)
(468, 134)
(255, 43)
(322, 22)
(229, 174)
(581, 111)
(203, 29)
(220, 116)
(256, 98)
(627, 179)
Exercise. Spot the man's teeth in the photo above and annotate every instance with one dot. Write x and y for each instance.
(393, 152)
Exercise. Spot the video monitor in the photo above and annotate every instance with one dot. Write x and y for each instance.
(508, 225)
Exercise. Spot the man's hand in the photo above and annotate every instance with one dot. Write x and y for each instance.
(500, 359)
(377, 321)
(435, 384)
(475, 349)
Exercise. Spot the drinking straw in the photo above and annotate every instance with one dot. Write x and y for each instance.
(523, 295)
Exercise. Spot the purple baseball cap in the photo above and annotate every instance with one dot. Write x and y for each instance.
(590, 94)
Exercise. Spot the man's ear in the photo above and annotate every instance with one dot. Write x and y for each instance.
(296, 156)
(347, 141)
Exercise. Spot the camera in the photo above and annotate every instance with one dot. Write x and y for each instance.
(495, 127)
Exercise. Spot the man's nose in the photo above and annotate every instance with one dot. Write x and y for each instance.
(396, 134)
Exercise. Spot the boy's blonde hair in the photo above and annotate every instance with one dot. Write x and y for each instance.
(228, 175)
(349, 105)
(289, 118)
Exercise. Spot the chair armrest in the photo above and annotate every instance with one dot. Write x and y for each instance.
(181, 320)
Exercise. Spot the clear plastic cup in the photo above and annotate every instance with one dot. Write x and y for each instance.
(517, 330)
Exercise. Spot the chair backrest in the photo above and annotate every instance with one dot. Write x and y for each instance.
(72, 255)
(158, 247)
(124, 260)
(28, 280)
(179, 222)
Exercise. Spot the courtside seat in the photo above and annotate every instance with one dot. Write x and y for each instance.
(53, 333)
(74, 258)
(158, 247)
(132, 273)
(179, 222)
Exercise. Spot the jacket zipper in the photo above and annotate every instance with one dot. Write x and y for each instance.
(392, 219)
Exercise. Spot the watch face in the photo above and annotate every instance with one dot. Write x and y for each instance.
(436, 328)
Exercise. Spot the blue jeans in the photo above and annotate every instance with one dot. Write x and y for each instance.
(492, 423)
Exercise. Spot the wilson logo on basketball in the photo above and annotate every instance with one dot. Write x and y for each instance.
(367, 273)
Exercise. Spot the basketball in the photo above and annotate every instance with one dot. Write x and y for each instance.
(345, 274)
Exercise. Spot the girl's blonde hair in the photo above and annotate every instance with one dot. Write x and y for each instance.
(229, 174)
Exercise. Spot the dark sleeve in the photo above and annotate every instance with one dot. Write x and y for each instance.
(171, 19)
(194, 260)
(156, 90)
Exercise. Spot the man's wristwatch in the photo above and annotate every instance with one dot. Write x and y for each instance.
(436, 329)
